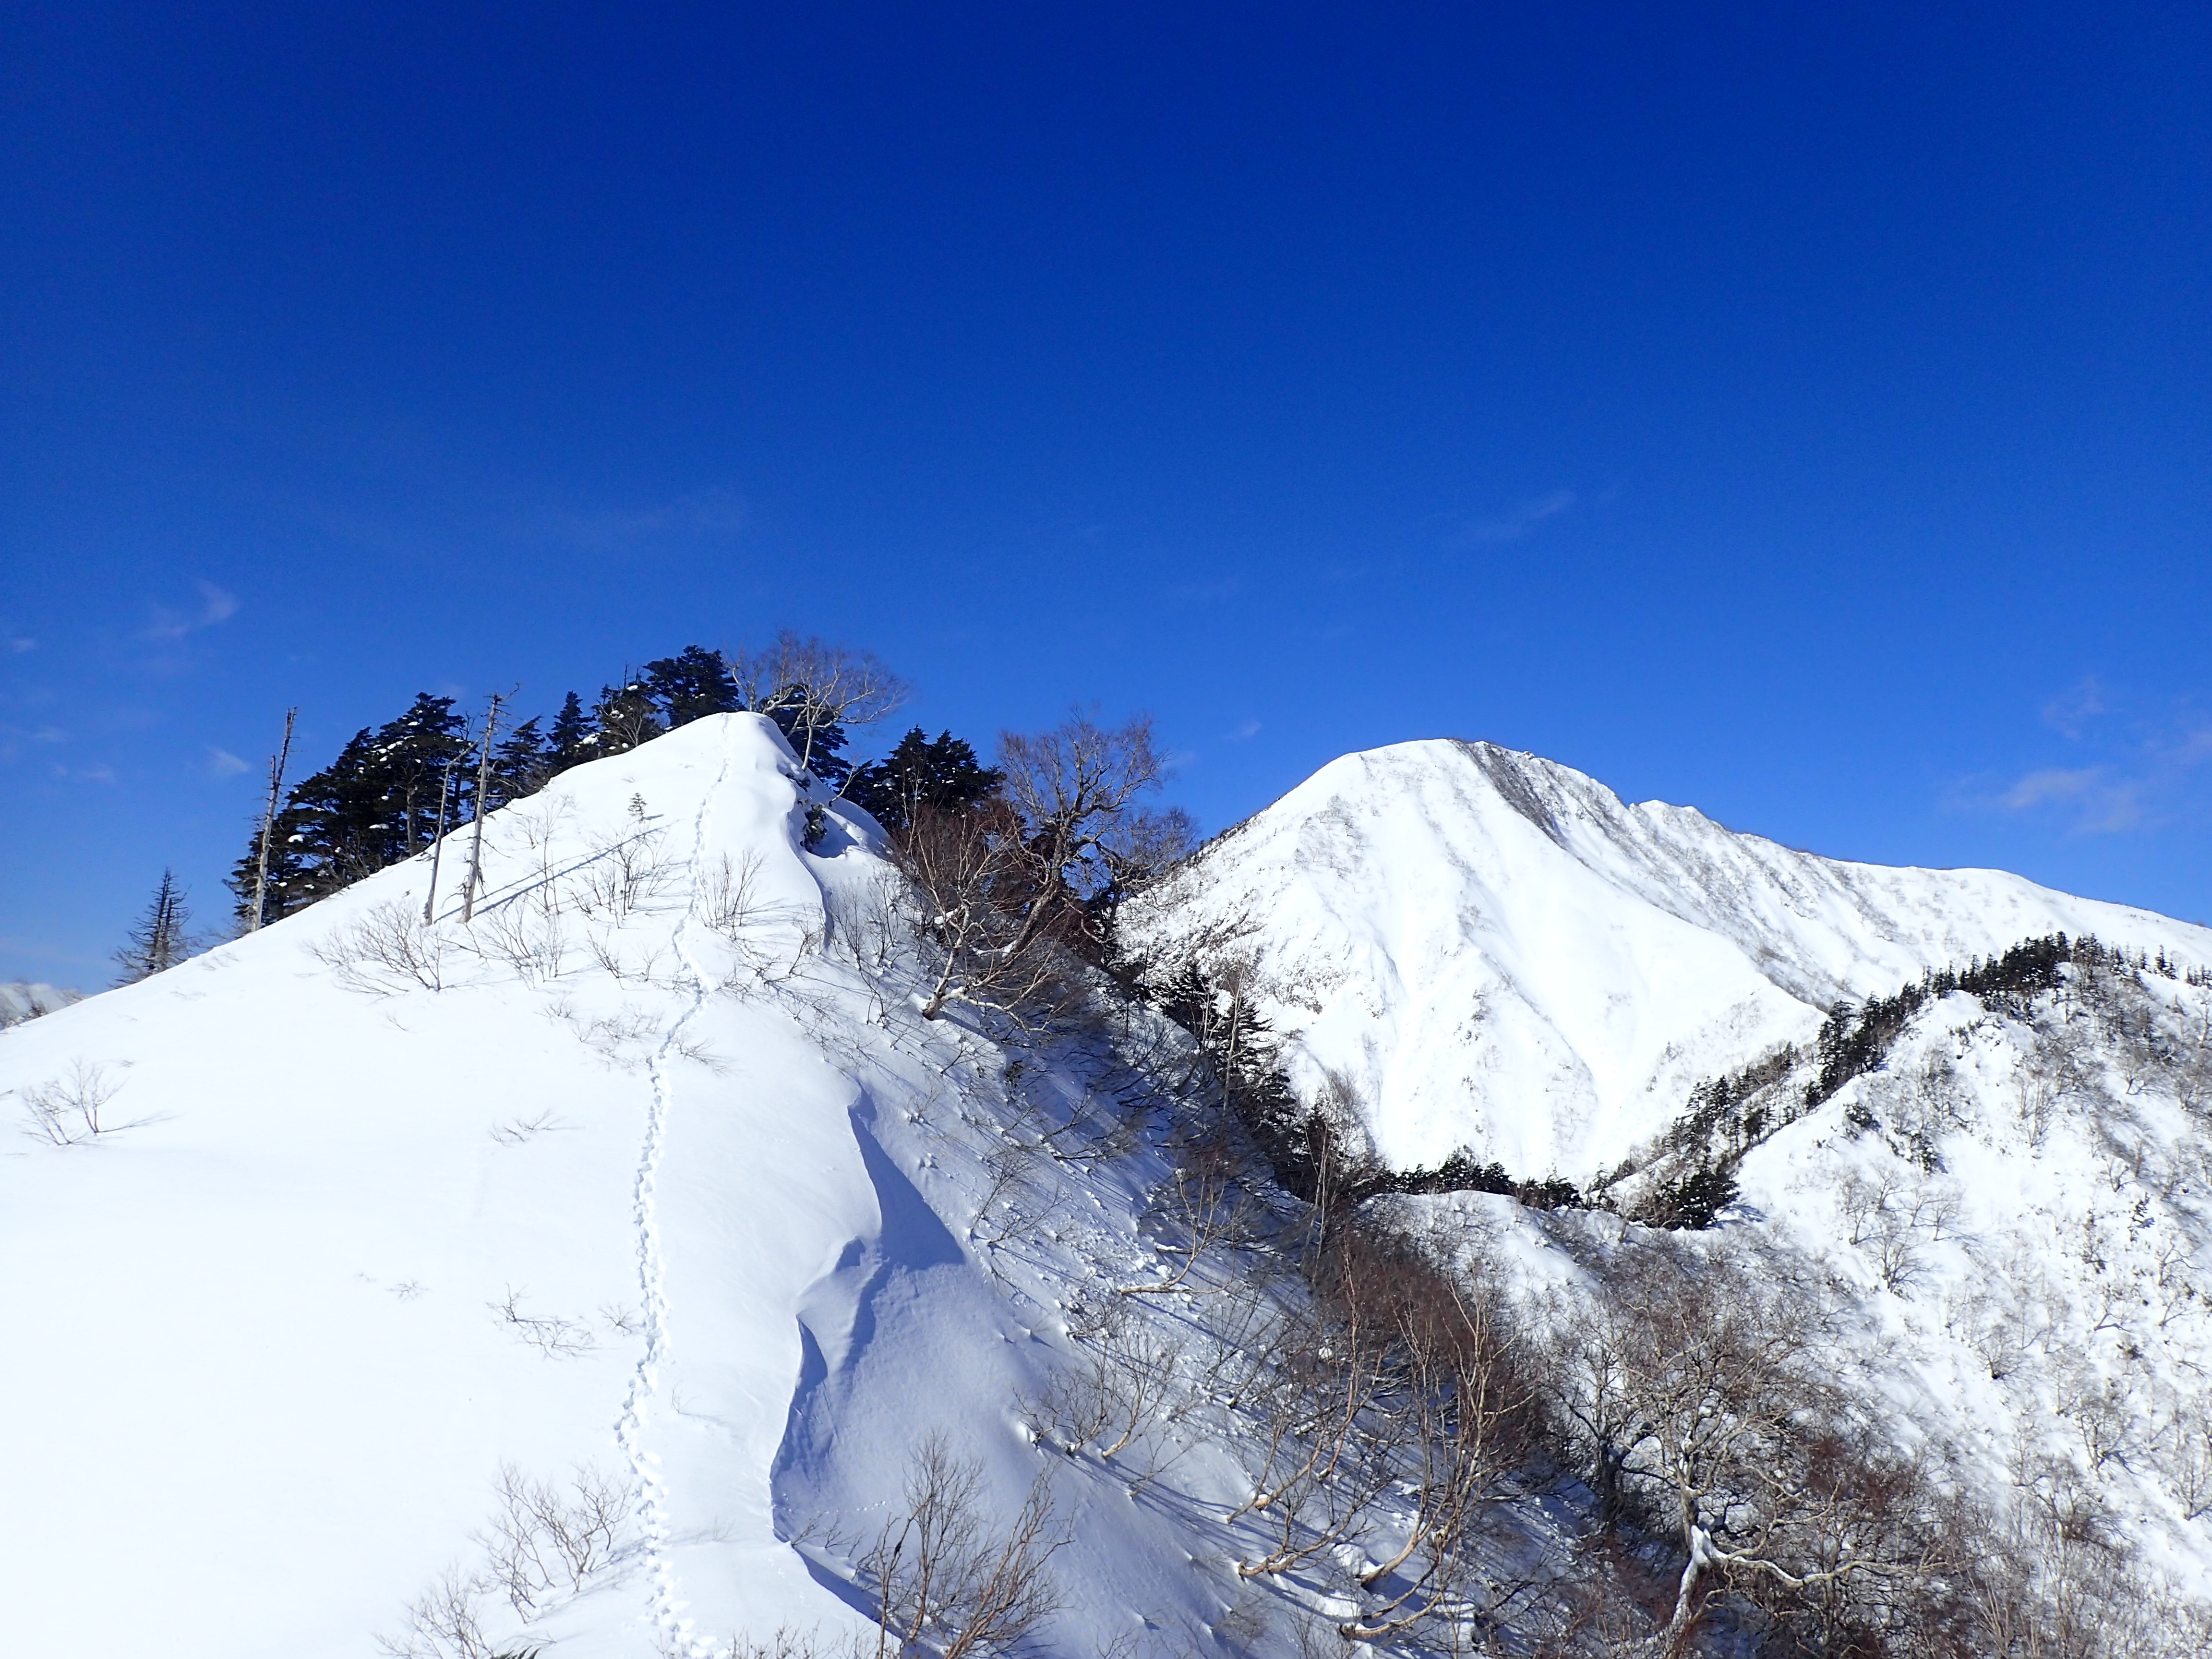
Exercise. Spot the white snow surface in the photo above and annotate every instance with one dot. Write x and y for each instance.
(2008, 1217)
(648, 1183)
(649, 1170)
(1499, 955)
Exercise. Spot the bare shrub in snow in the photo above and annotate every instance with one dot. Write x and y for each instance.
(783, 1643)
(552, 1335)
(1456, 1419)
(545, 1541)
(949, 1584)
(530, 941)
(1201, 1206)
(769, 938)
(1116, 1397)
(516, 1131)
(1321, 1458)
(445, 1621)
(622, 875)
(729, 897)
(69, 1111)
(386, 949)
(865, 924)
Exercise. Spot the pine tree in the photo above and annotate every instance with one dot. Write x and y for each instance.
(690, 685)
(567, 744)
(158, 943)
(410, 757)
(376, 804)
(943, 775)
(520, 766)
(626, 716)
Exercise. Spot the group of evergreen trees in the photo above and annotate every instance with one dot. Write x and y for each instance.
(393, 789)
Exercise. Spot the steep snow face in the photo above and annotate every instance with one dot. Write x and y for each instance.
(2006, 1223)
(636, 1179)
(1498, 954)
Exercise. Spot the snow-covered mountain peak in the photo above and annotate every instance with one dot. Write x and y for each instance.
(1498, 954)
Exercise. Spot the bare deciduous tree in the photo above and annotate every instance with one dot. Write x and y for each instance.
(68, 1110)
(545, 1541)
(1009, 885)
(946, 1582)
(814, 686)
(385, 950)
(475, 880)
(1684, 1384)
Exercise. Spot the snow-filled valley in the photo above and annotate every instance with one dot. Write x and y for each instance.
(609, 1272)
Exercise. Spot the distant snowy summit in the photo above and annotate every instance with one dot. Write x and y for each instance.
(1496, 954)
(23, 999)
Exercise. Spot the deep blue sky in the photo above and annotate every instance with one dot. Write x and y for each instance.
(1805, 413)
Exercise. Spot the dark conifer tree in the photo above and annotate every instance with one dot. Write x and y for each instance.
(332, 823)
(626, 716)
(943, 775)
(288, 886)
(158, 942)
(520, 763)
(690, 685)
(411, 758)
(376, 804)
(567, 744)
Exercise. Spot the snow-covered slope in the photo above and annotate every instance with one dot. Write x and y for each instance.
(635, 1186)
(647, 1194)
(2004, 1214)
(1499, 955)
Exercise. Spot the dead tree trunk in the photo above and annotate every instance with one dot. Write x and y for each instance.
(276, 765)
(483, 781)
(438, 838)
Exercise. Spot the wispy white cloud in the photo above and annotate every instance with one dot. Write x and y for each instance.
(215, 605)
(15, 739)
(2070, 713)
(221, 763)
(2052, 783)
(96, 772)
(2101, 804)
(1513, 525)
(15, 643)
(1248, 729)
(2129, 769)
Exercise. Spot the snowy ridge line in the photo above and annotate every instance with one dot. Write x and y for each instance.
(652, 1491)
